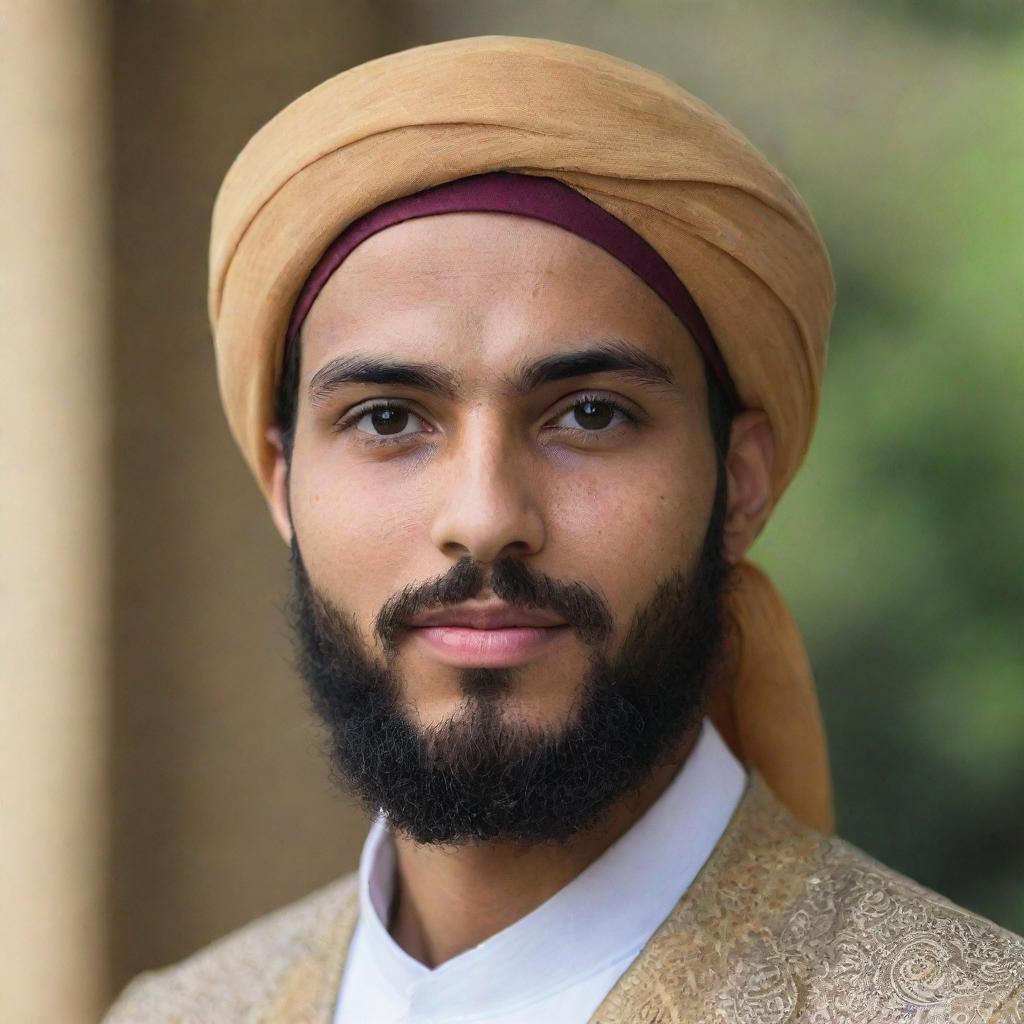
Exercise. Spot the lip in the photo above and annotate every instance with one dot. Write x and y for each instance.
(467, 647)
(491, 616)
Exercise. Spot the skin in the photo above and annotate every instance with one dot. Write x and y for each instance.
(489, 473)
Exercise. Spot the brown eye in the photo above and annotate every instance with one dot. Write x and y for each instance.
(382, 422)
(389, 419)
(593, 415)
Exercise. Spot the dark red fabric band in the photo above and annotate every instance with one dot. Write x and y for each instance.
(546, 199)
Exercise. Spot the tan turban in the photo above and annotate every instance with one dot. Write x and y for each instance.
(733, 229)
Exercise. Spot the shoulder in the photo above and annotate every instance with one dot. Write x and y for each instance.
(897, 947)
(844, 931)
(787, 926)
(241, 972)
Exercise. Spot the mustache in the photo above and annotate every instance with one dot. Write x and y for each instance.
(582, 606)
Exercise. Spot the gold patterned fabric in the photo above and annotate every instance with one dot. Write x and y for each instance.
(782, 926)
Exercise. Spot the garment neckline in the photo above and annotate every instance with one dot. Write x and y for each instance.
(602, 917)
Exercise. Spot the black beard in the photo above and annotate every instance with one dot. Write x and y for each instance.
(477, 777)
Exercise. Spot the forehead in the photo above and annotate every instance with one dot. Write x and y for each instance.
(483, 291)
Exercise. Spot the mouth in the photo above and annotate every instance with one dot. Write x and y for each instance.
(469, 647)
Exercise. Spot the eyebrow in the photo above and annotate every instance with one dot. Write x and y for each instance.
(613, 355)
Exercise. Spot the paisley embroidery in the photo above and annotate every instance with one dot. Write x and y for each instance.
(781, 926)
(784, 926)
(766, 990)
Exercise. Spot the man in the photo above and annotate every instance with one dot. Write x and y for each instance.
(523, 344)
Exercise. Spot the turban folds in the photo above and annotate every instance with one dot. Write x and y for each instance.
(732, 228)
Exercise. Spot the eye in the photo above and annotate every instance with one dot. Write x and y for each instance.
(384, 421)
(594, 414)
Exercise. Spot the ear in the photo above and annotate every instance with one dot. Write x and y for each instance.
(280, 510)
(749, 473)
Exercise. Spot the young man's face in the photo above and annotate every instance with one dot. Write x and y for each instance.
(394, 499)
(607, 503)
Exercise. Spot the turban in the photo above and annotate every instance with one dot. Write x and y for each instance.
(729, 225)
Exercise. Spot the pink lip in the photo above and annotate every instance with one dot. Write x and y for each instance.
(464, 647)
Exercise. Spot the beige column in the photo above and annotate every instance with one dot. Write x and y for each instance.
(54, 492)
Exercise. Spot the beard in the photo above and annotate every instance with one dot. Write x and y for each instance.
(477, 776)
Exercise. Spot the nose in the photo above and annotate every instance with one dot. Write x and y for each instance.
(490, 502)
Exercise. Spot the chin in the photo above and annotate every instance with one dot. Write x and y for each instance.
(538, 709)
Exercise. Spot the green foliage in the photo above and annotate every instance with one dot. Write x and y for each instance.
(901, 544)
(981, 16)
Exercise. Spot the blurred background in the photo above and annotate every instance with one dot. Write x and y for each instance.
(162, 783)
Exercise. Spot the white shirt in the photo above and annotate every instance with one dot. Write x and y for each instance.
(559, 961)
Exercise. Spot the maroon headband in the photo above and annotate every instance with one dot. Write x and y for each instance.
(546, 199)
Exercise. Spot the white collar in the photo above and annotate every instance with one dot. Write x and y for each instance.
(602, 917)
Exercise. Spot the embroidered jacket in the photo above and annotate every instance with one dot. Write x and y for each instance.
(781, 926)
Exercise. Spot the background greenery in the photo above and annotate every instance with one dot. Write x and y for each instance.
(900, 546)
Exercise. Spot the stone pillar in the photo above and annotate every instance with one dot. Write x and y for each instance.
(54, 509)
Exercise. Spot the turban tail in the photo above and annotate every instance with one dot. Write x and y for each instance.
(731, 227)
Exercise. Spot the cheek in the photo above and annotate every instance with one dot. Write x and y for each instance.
(359, 532)
(634, 519)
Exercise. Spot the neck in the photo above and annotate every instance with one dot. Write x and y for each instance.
(449, 899)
